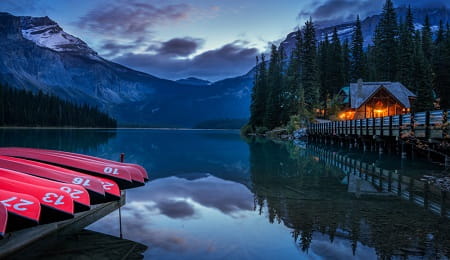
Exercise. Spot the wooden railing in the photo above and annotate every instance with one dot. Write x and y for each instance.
(426, 125)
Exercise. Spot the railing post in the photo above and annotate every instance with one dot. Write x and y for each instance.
(427, 125)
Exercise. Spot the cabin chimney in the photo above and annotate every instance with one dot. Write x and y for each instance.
(360, 84)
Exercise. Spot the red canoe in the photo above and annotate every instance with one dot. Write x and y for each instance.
(129, 166)
(108, 186)
(56, 205)
(137, 167)
(121, 176)
(3, 220)
(79, 194)
(92, 184)
(23, 210)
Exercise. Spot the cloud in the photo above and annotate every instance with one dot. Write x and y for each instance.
(229, 60)
(111, 48)
(175, 209)
(333, 12)
(130, 18)
(21, 7)
(339, 11)
(178, 47)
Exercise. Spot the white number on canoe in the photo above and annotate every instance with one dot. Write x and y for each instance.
(110, 170)
(73, 192)
(19, 205)
(53, 198)
(81, 181)
(107, 185)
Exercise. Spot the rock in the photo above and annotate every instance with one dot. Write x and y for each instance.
(300, 133)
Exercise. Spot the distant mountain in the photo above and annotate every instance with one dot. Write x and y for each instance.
(194, 81)
(36, 54)
(368, 25)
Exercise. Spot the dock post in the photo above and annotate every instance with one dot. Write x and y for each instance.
(447, 162)
(122, 159)
(403, 151)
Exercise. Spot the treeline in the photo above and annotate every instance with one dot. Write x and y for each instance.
(227, 123)
(291, 90)
(23, 108)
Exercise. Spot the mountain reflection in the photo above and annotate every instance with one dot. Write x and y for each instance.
(309, 197)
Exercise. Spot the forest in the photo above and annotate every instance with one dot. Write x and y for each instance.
(23, 108)
(290, 91)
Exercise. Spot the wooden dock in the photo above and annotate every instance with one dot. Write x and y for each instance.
(18, 240)
(423, 130)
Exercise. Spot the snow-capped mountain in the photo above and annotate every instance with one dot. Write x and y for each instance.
(36, 54)
(46, 33)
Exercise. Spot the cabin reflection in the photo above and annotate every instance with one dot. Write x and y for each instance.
(301, 190)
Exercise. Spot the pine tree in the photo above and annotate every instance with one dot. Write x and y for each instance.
(274, 80)
(310, 73)
(427, 40)
(254, 120)
(324, 64)
(346, 62)
(337, 64)
(385, 40)
(357, 53)
(293, 77)
(259, 95)
(406, 52)
(422, 78)
(441, 65)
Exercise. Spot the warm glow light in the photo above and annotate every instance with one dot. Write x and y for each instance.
(378, 111)
(347, 115)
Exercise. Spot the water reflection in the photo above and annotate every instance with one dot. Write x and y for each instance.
(311, 199)
(214, 195)
(85, 244)
(75, 140)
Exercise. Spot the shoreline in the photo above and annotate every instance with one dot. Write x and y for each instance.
(116, 128)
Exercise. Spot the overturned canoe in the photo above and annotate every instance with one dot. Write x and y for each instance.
(3, 219)
(96, 186)
(56, 205)
(79, 194)
(141, 170)
(120, 175)
(23, 210)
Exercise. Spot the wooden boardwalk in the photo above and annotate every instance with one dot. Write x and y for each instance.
(431, 126)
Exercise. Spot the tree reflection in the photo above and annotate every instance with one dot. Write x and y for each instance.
(75, 140)
(309, 197)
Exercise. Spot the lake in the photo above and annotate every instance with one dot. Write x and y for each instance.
(216, 195)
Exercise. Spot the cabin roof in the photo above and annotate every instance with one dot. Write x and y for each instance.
(361, 92)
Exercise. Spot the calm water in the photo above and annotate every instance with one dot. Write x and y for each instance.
(214, 195)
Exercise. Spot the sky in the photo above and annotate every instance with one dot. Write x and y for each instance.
(209, 39)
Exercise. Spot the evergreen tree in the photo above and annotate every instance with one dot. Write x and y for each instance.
(259, 94)
(422, 78)
(357, 53)
(385, 40)
(293, 77)
(337, 64)
(406, 52)
(310, 73)
(441, 65)
(346, 62)
(274, 80)
(427, 40)
(324, 65)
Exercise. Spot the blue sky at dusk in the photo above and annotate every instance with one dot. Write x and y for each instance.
(211, 39)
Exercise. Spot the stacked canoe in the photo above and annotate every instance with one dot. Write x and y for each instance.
(40, 186)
